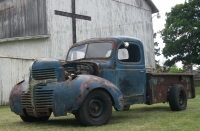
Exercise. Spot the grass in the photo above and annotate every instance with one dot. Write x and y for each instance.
(156, 117)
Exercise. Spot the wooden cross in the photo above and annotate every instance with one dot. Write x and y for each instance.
(74, 16)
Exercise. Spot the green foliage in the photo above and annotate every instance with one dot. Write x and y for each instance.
(158, 68)
(188, 68)
(156, 50)
(157, 53)
(175, 69)
(198, 68)
(181, 33)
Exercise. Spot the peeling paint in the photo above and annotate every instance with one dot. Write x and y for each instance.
(159, 84)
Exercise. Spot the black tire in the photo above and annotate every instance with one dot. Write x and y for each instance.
(27, 118)
(95, 110)
(177, 98)
(43, 118)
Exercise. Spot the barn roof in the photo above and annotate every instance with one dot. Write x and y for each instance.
(153, 7)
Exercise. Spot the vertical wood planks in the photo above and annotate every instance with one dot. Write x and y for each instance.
(20, 18)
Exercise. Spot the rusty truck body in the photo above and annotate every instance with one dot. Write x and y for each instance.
(96, 75)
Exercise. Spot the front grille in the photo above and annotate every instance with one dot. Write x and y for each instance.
(26, 102)
(43, 101)
(44, 74)
(43, 97)
(26, 99)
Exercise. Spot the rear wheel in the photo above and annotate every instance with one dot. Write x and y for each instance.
(177, 98)
(95, 110)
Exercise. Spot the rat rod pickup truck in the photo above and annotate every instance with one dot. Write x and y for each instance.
(97, 74)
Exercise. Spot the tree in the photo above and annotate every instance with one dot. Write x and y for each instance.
(198, 68)
(188, 68)
(175, 69)
(181, 34)
(157, 53)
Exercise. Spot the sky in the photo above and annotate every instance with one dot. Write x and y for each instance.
(163, 6)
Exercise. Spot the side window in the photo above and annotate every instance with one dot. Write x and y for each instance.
(123, 54)
(129, 54)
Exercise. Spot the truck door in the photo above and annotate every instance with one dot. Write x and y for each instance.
(131, 72)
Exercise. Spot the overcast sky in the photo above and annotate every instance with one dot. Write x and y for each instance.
(158, 24)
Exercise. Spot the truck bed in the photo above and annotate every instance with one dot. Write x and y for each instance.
(158, 85)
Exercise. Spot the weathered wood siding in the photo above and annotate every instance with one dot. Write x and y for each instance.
(13, 72)
(109, 18)
(20, 18)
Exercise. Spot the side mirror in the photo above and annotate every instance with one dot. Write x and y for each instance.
(126, 44)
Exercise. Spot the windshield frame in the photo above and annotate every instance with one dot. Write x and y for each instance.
(87, 45)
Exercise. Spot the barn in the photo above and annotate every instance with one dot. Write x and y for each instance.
(32, 29)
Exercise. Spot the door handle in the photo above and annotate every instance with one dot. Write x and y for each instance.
(141, 71)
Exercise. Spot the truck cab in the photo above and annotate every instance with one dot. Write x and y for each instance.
(97, 74)
(119, 60)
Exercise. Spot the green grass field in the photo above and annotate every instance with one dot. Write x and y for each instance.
(140, 117)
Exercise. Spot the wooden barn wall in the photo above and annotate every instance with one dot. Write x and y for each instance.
(20, 18)
(108, 18)
(15, 66)
(14, 71)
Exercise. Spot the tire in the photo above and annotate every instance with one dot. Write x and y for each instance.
(95, 110)
(43, 118)
(177, 98)
(27, 118)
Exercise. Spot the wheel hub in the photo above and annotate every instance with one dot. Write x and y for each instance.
(180, 98)
(95, 108)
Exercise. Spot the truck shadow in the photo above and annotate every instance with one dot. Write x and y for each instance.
(116, 118)
(153, 109)
(139, 113)
(61, 123)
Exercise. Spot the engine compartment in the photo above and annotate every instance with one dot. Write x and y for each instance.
(73, 69)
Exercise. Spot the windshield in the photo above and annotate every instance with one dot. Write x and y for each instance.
(94, 50)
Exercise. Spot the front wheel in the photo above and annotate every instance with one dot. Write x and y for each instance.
(177, 98)
(95, 110)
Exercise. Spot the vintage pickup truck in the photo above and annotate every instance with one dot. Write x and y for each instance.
(96, 75)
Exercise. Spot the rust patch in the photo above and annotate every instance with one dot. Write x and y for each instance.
(159, 85)
(79, 98)
(68, 81)
(15, 94)
(110, 85)
(100, 82)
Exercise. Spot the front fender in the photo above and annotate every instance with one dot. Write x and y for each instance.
(69, 95)
(15, 97)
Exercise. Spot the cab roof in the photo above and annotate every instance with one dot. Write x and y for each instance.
(114, 39)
